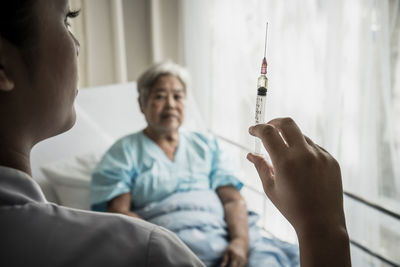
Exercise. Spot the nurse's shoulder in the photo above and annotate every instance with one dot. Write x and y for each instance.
(84, 238)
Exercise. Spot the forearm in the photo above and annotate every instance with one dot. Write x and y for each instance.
(236, 220)
(122, 205)
(235, 211)
(125, 212)
(327, 247)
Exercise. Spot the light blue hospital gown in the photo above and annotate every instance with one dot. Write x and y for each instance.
(136, 164)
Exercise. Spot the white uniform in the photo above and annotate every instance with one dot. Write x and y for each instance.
(34, 232)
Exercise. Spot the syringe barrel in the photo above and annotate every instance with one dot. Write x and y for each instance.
(262, 85)
(260, 115)
(260, 108)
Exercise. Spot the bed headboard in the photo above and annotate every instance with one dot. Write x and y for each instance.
(104, 114)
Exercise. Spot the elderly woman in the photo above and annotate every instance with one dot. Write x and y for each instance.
(164, 164)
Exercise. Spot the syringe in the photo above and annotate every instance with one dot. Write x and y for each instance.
(262, 87)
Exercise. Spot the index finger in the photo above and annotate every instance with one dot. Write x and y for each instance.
(290, 131)
(271, 139)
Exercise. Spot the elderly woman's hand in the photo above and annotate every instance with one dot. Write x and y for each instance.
(235, 254)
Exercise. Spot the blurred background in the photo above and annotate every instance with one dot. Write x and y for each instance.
(333, 66)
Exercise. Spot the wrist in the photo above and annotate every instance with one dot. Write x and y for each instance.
(242, 241)
(321, 225)
(337, 232)
(325, 247)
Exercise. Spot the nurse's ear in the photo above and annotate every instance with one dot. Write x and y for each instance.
(6, 82)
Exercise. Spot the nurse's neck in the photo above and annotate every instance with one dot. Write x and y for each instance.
(15, 157)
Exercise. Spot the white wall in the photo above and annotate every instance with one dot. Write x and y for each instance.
(137, 36)
(99, 45)
(150, 34)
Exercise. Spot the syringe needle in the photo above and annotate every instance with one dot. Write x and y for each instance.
(265, 43)
(264, 61)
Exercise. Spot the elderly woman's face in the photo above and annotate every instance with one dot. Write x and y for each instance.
(165, 107)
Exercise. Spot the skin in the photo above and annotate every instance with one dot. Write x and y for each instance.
(38, 97)
(236, 254)
(304, 183)
(164, 112)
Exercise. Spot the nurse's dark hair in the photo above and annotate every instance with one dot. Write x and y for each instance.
(17, 22)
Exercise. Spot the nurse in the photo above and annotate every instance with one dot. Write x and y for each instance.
(38, 86)
(164, 159)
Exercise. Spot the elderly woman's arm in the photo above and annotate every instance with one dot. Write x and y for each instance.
(236, 220)
(122, 204)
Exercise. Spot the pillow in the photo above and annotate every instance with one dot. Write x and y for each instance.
(71, 179)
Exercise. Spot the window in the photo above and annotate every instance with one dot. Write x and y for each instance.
(334, 66)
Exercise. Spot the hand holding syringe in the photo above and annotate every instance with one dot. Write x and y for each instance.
(286, 193)
(262, 87)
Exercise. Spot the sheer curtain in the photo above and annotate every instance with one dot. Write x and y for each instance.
(334, 66)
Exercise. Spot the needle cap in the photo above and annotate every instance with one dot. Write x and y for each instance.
(264, 66)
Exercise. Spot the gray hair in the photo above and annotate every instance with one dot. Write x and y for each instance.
(150, 76)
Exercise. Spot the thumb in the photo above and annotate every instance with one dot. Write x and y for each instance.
(264, 169)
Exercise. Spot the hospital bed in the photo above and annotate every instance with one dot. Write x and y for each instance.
(62, 165)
